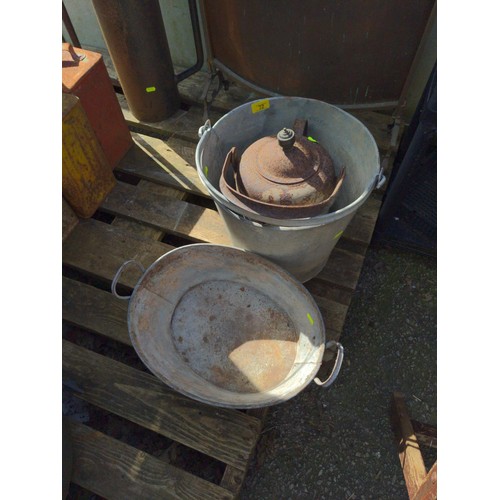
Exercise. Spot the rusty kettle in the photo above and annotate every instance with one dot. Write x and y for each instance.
(288, 175)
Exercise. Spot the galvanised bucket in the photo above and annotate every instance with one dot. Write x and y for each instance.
(301, 246)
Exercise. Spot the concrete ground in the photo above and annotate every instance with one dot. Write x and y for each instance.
(337, 443)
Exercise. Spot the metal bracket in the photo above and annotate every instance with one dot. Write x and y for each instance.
(208, 95)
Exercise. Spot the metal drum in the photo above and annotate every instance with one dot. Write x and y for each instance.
(301, 246)
(226, 327)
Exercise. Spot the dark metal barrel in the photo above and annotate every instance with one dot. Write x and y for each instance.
(135, 36)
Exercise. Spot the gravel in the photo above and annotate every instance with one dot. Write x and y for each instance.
(338, 442)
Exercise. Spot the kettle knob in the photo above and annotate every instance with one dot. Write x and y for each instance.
(286, 138)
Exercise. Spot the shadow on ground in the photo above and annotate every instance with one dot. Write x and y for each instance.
(337, 443)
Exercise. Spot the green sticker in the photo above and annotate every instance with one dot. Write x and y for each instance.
(309, 317)
(312, 139)
(150, 89)
(205, 171)
(338, 235)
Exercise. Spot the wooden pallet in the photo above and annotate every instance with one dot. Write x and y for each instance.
(159, 203)
(409, 434)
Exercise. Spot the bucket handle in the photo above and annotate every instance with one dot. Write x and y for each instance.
(119, 273)
(336, 368)
(206, 127)
(379, 180)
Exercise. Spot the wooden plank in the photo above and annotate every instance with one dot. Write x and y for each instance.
(352, 246)
(100, 249)
(170, 168)
(227, 435)
(96, 310)
(153, 187)
(233, 478)
(361, 228)
(205, 225)
(197, 224)
(428, 489)
(183, 124)
(115, 470)
(325, 289)
(153, 160)
(141, 229)
(410, 456)
(174, 216)
(342, 269)
(69, 219)
(333, 314)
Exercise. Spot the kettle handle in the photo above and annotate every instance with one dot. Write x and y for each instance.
(229, 160)
(299, 127)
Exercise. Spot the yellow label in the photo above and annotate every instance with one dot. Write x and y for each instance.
(150, 89)
(260, 105)
(338, 235)
(309, 317)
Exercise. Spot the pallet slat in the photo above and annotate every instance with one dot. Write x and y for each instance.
(69, 219)
(154, 160)
(227, 435)
(108, 315)
(100, 249)
(205, 225)
(183, 124)
(342, 269)
(173, 216)
(360, 230)
(116, 470)
(83, 251)
(140, 229)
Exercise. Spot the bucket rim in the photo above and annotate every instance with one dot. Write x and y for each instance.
(317, 220)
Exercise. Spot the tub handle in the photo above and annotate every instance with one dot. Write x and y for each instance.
(336, 368)
(119, 273)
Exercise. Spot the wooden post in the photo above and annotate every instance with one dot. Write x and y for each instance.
(428, 489)
(409, 451)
